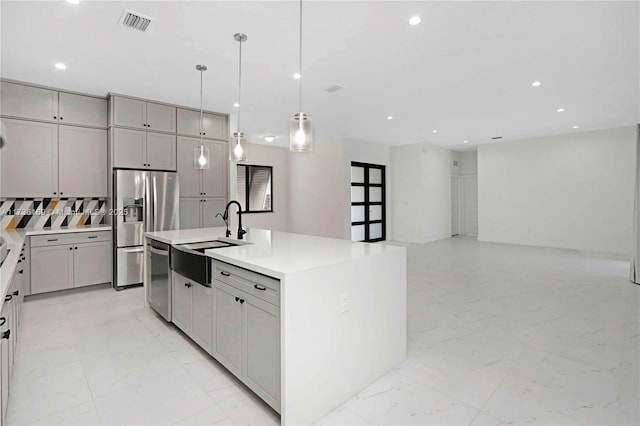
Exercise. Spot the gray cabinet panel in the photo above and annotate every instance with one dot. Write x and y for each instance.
(226, 344)
(92, 263)
(181, 307)
(214, 126)
(33, 146)
(51, 268)
(128, 148)
(190, 212)
(211, 207)
(161, 151)
(28, 102)
(82, 110)
(201, 315)
(83, 162)
(214, 179)
(129, 112)
(261, 354)
(190, 178)
(161, 118)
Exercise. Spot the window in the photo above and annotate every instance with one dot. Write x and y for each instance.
(368, 213)
(255, 188)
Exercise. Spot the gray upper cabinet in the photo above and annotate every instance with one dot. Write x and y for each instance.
(161, 151)
(211, 182)
(129, 148)
(214, 179)
(83, 162)
(29, 161)
(82, 110)
(190, 178)
(214, 126)
(28, 102)
(140, 114)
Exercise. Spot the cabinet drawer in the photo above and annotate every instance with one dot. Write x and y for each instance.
(258, 285)
(70, 238)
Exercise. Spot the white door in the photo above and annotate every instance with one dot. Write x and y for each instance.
(455, 205)
(470, 205)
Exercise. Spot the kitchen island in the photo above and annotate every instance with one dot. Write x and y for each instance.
(339, 309)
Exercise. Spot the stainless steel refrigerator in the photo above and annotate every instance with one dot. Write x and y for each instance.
(143, 201)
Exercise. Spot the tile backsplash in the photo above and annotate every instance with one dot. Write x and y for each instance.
(51, 212)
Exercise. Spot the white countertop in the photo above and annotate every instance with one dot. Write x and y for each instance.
(15, 241)
(276, 253)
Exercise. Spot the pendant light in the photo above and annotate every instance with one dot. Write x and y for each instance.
(300, 131)
(239, 142)
(201, 153)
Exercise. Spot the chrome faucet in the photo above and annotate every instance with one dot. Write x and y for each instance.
(225, 216)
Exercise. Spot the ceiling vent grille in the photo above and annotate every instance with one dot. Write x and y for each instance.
(496, 137)
(333, 88)
(135, 20)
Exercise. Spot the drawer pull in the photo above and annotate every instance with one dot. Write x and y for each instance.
(187, 285)
(95, 236)
(259, 287)
(8, 297)
(52, 240)
(225, 273)
(3, 321)
(6, 334)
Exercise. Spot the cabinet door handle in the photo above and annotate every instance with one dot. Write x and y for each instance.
(95, 236)
(241, 301)
(187, 285)
(3, 321)
(55, 117)
(76, 248)
(6, 334)
(70, 248)
(62, 193)
(16, 293)
(8, 297)
(61, 118)
(55, 193)
(21, 272)
(259, 287)
(225, 273)
(237, 298)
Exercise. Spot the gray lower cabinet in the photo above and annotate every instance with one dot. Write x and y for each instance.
(201, 212)
(191, 309)
(29, 144)
(62, 261)
(246, 328)
(83, 162)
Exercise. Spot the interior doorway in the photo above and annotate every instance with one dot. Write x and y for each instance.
(464, 205)
(368, 201)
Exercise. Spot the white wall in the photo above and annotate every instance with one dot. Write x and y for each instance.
(570, 191)
(316, 186)
(421, 193)
(278, 158)
(373, 154)
(469, 163)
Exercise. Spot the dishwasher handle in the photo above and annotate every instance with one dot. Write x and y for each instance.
(159, 252)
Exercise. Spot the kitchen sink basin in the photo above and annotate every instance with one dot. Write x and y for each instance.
(206, 245)
(190, 261)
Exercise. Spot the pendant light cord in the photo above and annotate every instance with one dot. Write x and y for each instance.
(201, 135)
(239, 83)
(300, 64)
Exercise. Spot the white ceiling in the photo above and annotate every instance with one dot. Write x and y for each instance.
(465, 71)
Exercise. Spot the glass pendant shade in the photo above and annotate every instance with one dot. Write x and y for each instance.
(239, 147)
(300, 133)
(201, 157)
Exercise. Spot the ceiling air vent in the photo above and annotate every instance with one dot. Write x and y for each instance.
(333, 88)
(135, 20)
(496, 137)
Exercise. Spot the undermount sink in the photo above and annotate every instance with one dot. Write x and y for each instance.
(206, 245)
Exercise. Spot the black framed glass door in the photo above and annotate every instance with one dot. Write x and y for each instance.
(368, 201)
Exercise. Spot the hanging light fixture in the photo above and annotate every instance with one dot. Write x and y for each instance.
(201, 153)
(300, 131)
(240, 144)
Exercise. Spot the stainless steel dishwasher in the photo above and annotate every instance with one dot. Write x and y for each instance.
(159, 294)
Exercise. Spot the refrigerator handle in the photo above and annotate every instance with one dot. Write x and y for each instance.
(148, 216)
(155, 204)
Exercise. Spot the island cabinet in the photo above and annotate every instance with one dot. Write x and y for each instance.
(61, 261)
(246, 328)
(192, 309)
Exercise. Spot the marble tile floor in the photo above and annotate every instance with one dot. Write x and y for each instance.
(498, 334)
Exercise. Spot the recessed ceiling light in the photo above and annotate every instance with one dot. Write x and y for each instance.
(236, 105)
(466, 141)
(297, 76)
(536, 83)
(415, 20)
(60, 66)
(73, 1)
(389, 117)
(269, 138)
(434, 131)
(575, 127)
(560, 110)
